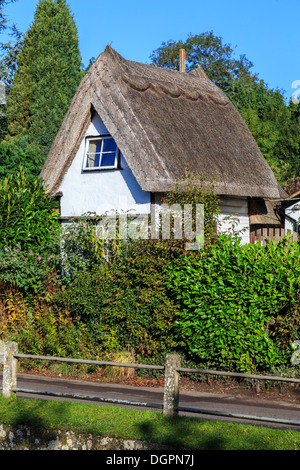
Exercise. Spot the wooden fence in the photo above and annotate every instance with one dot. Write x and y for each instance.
(269, 233)
(172, 369)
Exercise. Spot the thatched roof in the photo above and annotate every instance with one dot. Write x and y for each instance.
(163, 121)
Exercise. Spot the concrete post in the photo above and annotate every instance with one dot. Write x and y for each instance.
(171, 391)
(9, 367)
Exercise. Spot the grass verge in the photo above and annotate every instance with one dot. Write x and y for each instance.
(180, 433)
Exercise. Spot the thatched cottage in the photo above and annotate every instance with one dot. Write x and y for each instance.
(131, 131)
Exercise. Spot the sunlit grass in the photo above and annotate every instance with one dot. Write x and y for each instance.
(144, 425)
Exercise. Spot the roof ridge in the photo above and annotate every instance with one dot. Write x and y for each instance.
(194, 85)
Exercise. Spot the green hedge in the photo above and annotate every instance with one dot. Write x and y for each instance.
(239, 304)
(125, 304)
(28, 215)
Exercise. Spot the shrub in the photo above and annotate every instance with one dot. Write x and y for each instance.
(125, 303)
(13, 311)
(28, 214)
(26, 270)
(232, 298)
(82, 249)
(41, 328)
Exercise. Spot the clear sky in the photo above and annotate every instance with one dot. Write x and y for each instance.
(266, 31)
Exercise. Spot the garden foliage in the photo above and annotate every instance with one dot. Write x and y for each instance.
(227, 305)
(29, 271)
(41, 328)
(28, 215)
(125, 304)
(236, 302)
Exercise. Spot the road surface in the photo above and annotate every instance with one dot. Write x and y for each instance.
(286, 414)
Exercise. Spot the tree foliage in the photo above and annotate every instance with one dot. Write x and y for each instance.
(13, 156)
(292, 185)
(8, 62)
(274, 124)
(10, 51)
(206, 49)
(49, 72)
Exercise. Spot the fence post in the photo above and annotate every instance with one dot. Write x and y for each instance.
(9, 380)
(171, 390)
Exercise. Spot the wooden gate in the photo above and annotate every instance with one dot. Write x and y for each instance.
(261, 233)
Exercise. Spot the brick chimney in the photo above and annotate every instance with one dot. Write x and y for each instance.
(182, 60)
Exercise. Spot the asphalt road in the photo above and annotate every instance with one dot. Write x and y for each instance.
(286, 414)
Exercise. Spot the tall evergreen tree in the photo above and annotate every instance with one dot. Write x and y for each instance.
(48, 74)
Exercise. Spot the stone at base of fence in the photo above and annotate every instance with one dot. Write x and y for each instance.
(23, 437)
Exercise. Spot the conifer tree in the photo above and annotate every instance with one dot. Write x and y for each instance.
(48, 74)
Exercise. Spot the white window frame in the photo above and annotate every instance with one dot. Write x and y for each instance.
(99, 168)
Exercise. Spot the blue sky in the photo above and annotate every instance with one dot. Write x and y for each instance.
(266, 31)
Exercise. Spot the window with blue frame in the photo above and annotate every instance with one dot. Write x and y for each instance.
(101, 153)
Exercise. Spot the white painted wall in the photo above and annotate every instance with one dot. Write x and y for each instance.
(103, 190)
(238, 209)
(294, 213)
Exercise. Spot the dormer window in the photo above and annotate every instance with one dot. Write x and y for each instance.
(101, 153)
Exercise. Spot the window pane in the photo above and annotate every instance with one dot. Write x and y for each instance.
(93, 156)
(108, 159)
(93, 160)
(109, 145)
(97, 160)
(95, 146)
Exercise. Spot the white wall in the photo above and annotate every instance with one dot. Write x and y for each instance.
(294, 213)
(238, 208)
(100, 191)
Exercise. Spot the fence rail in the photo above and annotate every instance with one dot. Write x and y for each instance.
(172, 369)
(89, 361)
